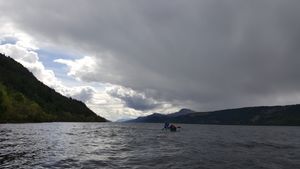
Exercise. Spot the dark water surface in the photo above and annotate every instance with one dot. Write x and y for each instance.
(117, 145)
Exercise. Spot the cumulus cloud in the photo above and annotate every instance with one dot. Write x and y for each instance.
(98, 99)
(83, 93)
(116, 102)
(111, 107)
(92, 68)
(132, 99)
(79, 68)
(30, 60)
(211, 54)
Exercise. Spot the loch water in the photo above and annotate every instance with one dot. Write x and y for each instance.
(138, 145)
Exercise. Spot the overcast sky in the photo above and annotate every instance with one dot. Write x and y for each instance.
(130, 58)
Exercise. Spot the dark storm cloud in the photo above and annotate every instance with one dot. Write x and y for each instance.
(214, 53)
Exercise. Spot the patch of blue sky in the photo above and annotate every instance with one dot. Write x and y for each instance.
(47, 57)
(8, 40)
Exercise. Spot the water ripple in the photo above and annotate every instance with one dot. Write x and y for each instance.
(113, 145)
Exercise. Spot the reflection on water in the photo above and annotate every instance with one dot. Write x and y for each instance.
(116, 145)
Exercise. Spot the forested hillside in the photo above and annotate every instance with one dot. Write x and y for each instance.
(25, 99)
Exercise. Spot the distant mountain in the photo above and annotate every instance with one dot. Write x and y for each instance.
(123, 120)
(153, 118)
(181, 113)
(25, 99)
(160, 118)
(264, 115)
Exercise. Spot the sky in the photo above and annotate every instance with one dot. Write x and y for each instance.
(131, 58)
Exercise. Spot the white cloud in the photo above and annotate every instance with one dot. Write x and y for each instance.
(30, 60)
(8, 29)
(85, 65)
(116, 108)
(111, 107)
(99, 99)
(116, 101)
(93, 68)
